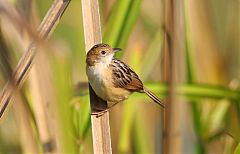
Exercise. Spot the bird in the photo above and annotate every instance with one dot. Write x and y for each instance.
(111, 79)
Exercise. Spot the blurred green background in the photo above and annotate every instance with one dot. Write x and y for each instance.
(50, 114)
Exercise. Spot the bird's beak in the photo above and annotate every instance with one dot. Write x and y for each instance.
(116, 49)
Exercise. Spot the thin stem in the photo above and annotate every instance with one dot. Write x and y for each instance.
(24, 65)
(92, 34)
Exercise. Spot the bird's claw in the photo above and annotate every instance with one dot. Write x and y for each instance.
(99, 113)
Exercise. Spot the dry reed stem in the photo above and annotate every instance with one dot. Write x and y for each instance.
(24, 65)
(172, 142)
(92, 33)
(38, 81)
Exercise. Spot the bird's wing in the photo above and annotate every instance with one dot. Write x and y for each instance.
(124, 77)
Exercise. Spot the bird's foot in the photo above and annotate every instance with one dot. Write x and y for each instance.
(99, 113)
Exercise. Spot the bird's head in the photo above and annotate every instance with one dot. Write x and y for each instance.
(100, 53)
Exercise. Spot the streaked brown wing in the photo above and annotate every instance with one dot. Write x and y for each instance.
(125, 77)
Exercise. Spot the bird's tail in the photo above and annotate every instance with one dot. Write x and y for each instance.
(153, 97)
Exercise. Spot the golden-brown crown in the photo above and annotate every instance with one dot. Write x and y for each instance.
(98, 51)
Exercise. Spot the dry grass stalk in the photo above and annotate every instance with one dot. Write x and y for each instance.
(92, 33)
(21, 71)
(172, 140)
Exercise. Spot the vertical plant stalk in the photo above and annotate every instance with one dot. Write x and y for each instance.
(47, 26)
(172, 140)
(92, 33)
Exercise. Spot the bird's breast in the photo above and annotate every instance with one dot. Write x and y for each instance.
(100, 78)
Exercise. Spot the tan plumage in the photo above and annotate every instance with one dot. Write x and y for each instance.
(111, 79)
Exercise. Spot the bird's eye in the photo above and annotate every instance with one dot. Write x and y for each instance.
(103, 52)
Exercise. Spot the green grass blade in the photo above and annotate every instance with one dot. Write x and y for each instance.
(190, 72)
(121, 22)
(140, 136)
(129, 23)
(237, 150)
(153, 53)
(63, 92)
(196, 91)
(217, 116)
(124, 144)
